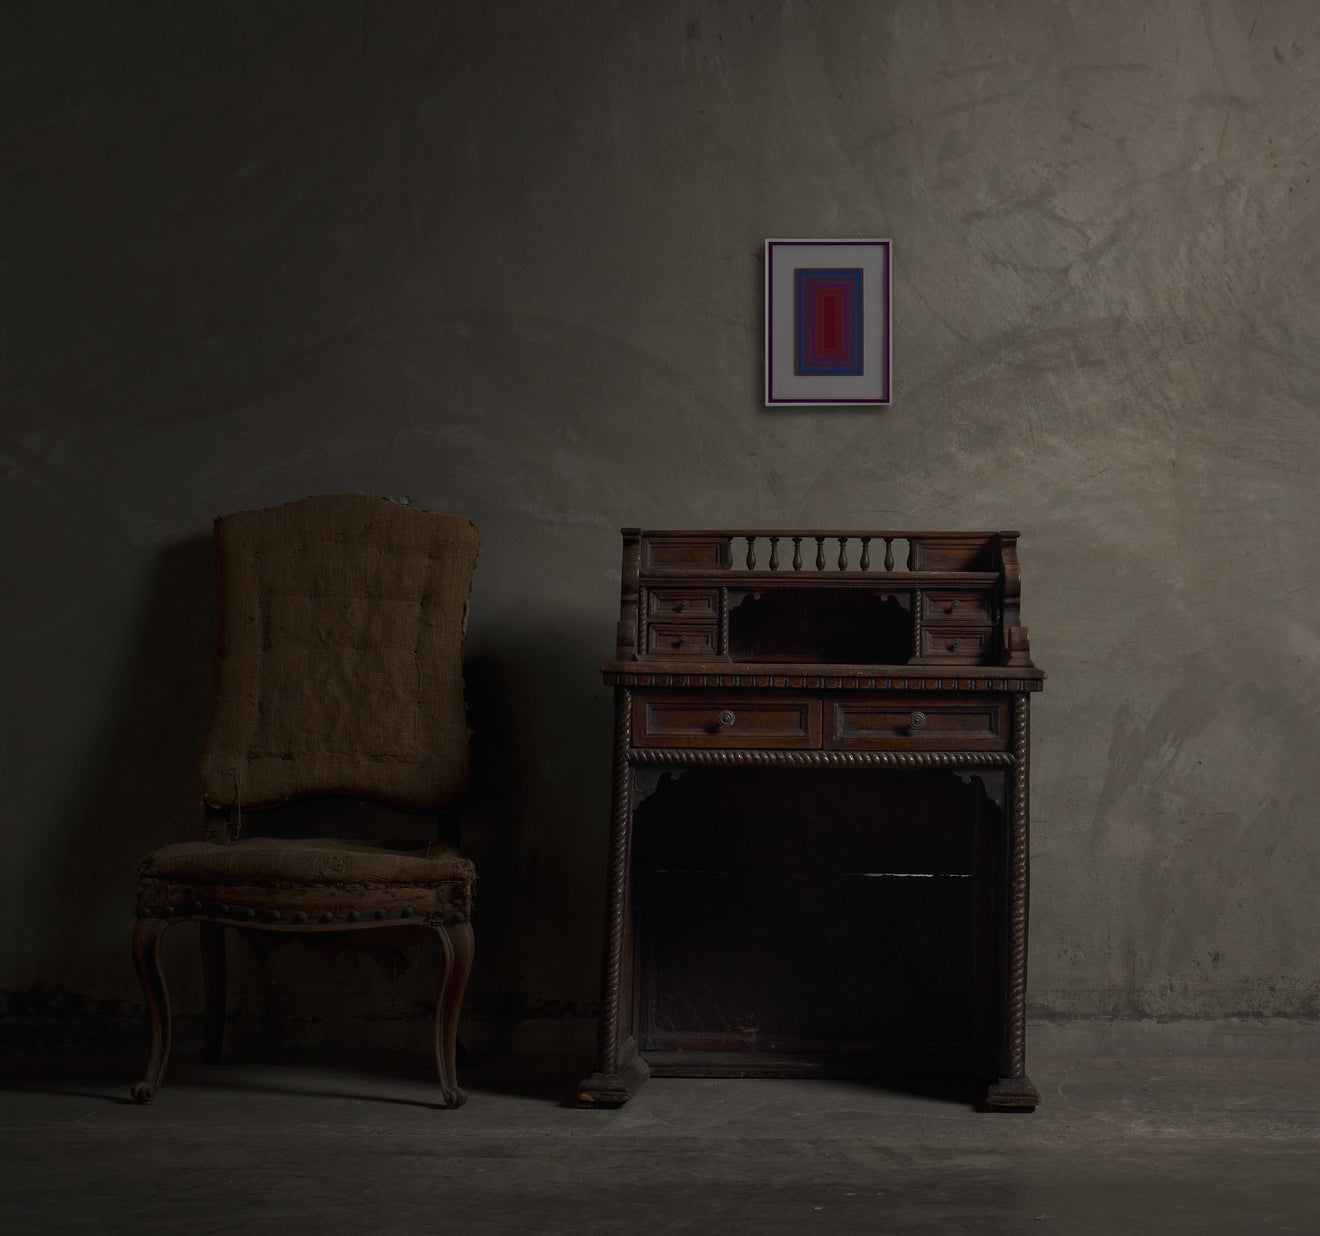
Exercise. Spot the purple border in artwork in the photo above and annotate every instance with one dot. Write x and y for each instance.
(887, 343)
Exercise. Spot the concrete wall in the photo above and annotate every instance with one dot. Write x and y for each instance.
(505, 260)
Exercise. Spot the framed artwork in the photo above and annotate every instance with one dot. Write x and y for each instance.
(827, 311)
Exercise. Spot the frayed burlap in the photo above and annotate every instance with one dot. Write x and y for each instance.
(277, 861)
(338, 668)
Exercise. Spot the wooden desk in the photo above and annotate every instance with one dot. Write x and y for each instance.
(818, 855)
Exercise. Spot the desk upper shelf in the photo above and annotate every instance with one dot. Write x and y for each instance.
(817, 597)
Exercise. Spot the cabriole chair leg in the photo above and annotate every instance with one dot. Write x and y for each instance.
(146, 961)
(458, 946)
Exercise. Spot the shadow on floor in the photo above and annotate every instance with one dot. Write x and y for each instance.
(402, 1078)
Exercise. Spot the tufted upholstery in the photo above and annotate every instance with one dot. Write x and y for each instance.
(330, 608)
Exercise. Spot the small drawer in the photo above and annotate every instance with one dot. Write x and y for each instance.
(962, 605)
(672, 639)
(913, 723)
(682, 603)
(686, 553)
(954, 645)
(726, 719)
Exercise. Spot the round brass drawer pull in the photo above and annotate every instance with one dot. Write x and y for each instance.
(917, 721)
(725, 719)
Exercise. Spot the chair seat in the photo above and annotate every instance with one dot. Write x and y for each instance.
(303, 862)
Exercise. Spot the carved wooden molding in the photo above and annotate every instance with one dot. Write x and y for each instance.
(820, 759)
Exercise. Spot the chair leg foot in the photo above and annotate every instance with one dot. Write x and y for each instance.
(457, 944)
(146, 961)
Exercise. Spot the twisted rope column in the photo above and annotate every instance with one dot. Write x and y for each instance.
(1018, 871)
(620, 840)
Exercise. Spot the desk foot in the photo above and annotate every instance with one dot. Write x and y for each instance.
(1012, 1094)
(611, 1090)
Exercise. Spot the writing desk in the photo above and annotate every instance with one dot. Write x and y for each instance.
(818, 849)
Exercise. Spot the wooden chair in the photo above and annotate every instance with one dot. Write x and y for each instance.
(338, 671)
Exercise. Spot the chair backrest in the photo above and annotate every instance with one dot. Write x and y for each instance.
(338, 667)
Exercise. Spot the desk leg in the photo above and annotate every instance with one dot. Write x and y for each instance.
(615, 1089)
(1013, 1091)
(1012, 1094)
(620, 1071)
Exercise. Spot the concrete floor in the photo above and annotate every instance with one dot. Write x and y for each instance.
(261, 1146)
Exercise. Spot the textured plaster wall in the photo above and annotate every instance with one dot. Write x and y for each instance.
(505, 260)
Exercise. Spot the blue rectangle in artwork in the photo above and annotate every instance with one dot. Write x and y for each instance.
(827, 321)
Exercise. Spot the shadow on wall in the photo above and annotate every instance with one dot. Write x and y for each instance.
(539, 843)
(535, 822)
(538, 828)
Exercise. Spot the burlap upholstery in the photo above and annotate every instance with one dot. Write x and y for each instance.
(278, 861)
(338, 667)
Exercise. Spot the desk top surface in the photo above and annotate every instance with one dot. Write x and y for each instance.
(657, 672)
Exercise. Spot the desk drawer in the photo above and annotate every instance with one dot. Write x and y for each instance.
(680, 640)
(916, 723)
(953, 606)
(953, 645)
(726, 719)
(682, 603)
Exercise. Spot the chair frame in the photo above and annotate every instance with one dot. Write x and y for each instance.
(444, 908)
